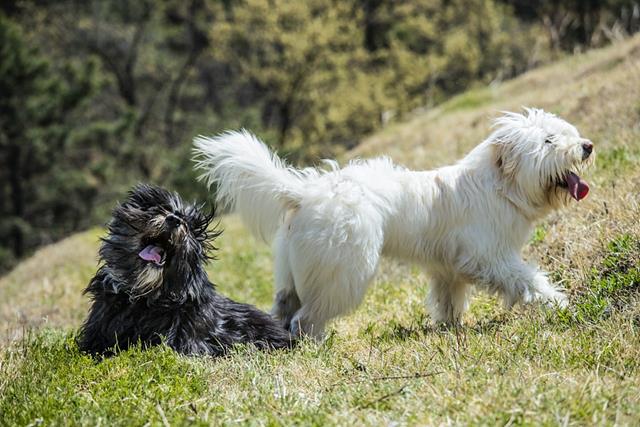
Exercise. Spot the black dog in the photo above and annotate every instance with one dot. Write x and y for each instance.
(152, 286)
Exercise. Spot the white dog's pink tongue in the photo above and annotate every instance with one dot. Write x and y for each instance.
(151, 253)
(578, 187)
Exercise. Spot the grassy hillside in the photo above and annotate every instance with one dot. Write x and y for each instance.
(384, 363)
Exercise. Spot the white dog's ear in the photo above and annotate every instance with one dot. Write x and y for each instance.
(504, 158)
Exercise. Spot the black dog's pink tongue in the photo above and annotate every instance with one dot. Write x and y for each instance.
(151, 253)
(578, 187)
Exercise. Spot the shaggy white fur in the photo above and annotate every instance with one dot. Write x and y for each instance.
(465, 223)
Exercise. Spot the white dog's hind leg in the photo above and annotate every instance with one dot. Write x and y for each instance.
(307, 322)
(334, 249)
(331, 283)
(447, 300)
(331, 292)
(286, 301)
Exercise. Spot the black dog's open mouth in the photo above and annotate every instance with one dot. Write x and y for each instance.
(576, 186)
(154, 254)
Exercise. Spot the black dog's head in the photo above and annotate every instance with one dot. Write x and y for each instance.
(157, 246)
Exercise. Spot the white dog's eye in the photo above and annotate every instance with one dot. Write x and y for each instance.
(549, 140)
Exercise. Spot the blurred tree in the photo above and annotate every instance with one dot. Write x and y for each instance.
(581, 23)
(435, 48)
(147, 54)
(288, 56)
(38, 187)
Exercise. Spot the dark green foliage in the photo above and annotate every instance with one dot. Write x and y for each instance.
(580, 23)
(42, 195)
(80, 115)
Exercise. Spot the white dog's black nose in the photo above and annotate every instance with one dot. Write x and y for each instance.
(172, 221)
(587, 147)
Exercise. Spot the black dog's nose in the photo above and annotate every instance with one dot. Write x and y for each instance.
(588, 148)
(172, 221)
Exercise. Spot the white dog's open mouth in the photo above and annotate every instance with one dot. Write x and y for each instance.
(576, 186)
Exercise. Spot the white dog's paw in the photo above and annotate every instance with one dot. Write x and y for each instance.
(551, 297)
(557, 300)
(543, 291)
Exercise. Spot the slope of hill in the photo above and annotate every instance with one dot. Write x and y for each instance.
(597, 91)
(383, 364)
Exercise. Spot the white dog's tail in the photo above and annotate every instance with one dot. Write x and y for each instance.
(250, 179)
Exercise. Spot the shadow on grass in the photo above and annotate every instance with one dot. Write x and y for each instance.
(423, 327)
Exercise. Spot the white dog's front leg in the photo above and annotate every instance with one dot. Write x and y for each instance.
(519, 282)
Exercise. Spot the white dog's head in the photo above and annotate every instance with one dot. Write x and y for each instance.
(538, 157)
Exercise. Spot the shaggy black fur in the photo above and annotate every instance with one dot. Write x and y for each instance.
(152, 286)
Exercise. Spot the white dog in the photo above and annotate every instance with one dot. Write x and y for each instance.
(465, 223)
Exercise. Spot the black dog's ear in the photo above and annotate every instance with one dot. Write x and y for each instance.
(204, 227)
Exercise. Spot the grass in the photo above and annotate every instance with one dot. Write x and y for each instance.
(384, 363)
(471, 99)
